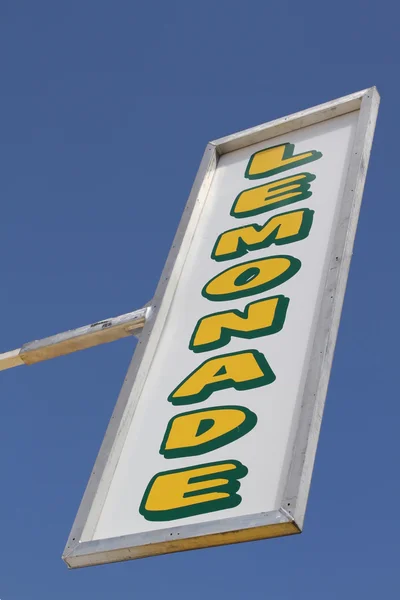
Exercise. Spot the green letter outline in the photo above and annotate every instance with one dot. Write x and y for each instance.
(295, 265)
(232, 475)
(243, 248)
(223, 440)
(267, 378)
(303, 194)
(287, 153)
(226, 335)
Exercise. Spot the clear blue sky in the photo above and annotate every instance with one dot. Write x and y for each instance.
(90, 91)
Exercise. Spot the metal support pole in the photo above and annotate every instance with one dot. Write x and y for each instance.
(76, 339)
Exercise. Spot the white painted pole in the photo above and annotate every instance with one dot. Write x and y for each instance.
(76, 339)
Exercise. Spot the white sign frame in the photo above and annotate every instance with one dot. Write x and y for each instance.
(289, 518)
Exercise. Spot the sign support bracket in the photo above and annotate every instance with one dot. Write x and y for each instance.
(73, 340)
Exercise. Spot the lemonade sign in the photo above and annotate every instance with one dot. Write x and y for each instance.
(215, 431)
(213, 486)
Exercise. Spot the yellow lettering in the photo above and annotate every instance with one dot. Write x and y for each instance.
(239, 370)
(200, 431)
(272, 195)
(192, 491)
(276, 159)
(252, 277)
(281, 229)
(263, 317)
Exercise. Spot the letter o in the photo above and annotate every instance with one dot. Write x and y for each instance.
(252, 277)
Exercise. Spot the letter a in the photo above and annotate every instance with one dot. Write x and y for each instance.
(239, 370)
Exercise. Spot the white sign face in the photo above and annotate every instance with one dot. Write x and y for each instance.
(226, 375)
(217, 426)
